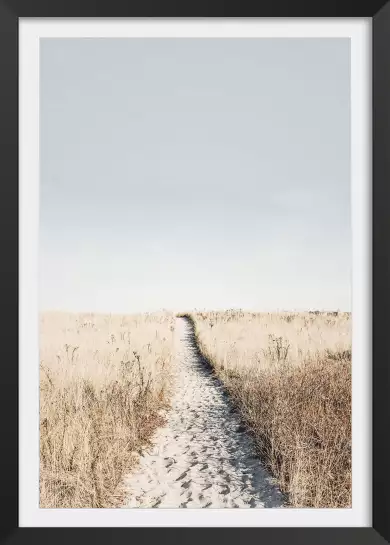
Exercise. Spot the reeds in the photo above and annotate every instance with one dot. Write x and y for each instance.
(103, 383)
(290, 376)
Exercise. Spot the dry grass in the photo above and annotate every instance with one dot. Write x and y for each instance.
(104, 380)
(290, 375)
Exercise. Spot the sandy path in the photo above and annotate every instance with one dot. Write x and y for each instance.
(202, 457)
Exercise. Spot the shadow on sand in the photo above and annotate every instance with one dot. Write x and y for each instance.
(264, 489)
(204, 363)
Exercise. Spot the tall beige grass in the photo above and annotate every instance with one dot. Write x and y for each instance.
(290, 375)
(103, 382)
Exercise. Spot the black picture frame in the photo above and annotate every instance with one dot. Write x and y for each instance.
(10, 12)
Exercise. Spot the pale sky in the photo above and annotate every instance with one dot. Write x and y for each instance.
(195, 173)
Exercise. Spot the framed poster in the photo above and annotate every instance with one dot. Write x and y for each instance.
(195, 290)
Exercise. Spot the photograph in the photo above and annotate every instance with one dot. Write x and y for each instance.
(195, 273)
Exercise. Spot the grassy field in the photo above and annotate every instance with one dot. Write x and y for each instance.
(290, 375)
(104, 380)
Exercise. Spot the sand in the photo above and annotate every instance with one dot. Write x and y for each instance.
(203, 457)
